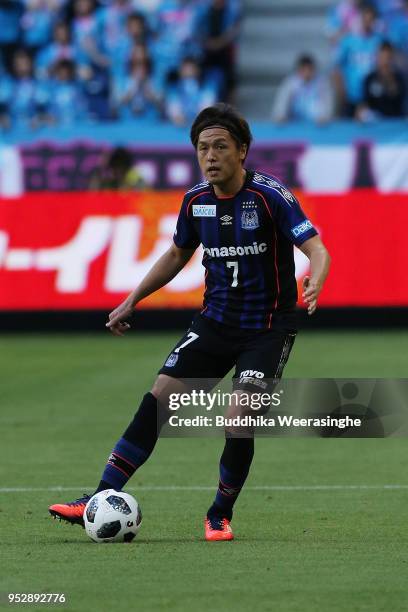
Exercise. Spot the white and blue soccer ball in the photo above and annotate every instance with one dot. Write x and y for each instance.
(112, 516)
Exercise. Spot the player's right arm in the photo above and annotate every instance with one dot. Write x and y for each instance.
(161, 273)
(185, 242)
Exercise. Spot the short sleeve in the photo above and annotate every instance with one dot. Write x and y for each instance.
(290, 217)
(185, 235)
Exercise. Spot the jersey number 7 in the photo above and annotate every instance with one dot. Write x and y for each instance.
(234, 266)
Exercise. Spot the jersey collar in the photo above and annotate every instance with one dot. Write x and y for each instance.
(248, 179)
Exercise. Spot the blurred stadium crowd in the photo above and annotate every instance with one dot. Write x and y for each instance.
(367, 72)
(66, 60)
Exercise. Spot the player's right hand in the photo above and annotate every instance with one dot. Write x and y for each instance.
(117, 319)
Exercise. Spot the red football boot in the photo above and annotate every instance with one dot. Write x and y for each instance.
(72, 512)
(217, 529)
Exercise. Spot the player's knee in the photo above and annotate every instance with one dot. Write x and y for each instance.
(239, 432)
(164, 386)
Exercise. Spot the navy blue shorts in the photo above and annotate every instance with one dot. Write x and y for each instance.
(209, 350)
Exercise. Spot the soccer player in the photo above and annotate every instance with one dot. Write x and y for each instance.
(247, 223)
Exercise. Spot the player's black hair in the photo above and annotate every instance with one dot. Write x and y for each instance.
(222, 115)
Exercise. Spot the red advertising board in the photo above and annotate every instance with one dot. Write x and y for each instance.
(89, 250)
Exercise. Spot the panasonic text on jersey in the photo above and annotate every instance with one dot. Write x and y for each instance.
(233, 251)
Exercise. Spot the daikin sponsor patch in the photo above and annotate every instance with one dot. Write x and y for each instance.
(301, 228)
(204, 210)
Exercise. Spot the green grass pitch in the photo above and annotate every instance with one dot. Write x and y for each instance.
(65, 399)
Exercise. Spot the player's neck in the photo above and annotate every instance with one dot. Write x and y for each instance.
(232, 186)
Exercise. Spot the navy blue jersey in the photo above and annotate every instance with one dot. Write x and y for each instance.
(248, 249)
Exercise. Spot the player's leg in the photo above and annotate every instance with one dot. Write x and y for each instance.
(235, 462)
(265, 355)
(139, 439)
(132, 449)
(189, 359)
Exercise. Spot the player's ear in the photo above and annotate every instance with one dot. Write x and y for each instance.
(243, 151)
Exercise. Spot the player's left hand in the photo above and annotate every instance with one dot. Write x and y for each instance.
(311, 291)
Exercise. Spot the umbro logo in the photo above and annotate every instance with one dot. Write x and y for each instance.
(226, 220)
(229, 491)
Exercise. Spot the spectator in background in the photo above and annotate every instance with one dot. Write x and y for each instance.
(344, 17)
(117, 172)
(189, 93)
(397, 32)
(139, 52)
(137, 29)
(37, 23)
(387, 8)
(65, 102)
(217, 25)
(112, 21)
(20, 96)
(384, 88)
(355, 58)
(304, 96)
(60, 48)
(136, 35)
(174, 37)
(87, 35)
(95, 87)
(11, 12)
(5, 98)
(134, 94)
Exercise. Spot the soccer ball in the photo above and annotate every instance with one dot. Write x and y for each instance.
(112, 516)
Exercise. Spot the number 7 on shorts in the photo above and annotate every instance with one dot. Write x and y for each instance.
(191, 336)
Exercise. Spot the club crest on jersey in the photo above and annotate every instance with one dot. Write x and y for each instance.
(249, 220)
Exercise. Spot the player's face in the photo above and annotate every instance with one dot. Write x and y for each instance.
(219, 156)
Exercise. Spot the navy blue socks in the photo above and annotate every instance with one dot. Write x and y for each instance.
(235, 462)
(135, 446)
(138, 442)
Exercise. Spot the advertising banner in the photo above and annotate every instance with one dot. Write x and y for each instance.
(334, 158)
(87, 250)
(300, 165)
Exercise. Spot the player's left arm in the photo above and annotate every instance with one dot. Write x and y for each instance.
(319, 259)
(294, 224)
